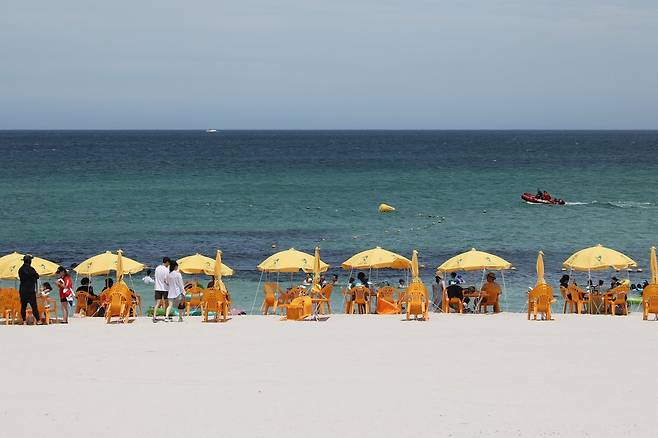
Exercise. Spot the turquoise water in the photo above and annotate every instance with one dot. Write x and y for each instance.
(67, 195)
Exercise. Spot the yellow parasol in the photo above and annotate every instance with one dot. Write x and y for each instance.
(377, 258)
(200, 264)
(597, 258)
(11, 263)
(540, 268)
(119, 269)
(218, 268)
(654, 266)
(316, 270)
(474, 260)
(290, 260)
(415, 272)
(102, 264)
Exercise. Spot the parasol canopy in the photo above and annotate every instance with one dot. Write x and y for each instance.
(103, 263)
(654, 265)
(377, 258)
(597, 258)
(218, 269)
(290, 260)
(415, 272)
(200, 264)
(11, 263)
(540, 268)
(474, 260)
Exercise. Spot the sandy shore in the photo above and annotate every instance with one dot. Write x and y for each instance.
(456, 375)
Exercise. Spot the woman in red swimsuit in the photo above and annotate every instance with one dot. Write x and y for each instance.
(65, 285)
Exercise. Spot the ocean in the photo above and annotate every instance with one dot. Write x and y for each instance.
(68, 195)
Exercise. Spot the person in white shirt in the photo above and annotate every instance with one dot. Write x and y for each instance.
(147, 279)
(176, 290)
(161, 287)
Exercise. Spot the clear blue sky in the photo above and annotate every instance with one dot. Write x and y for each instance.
(262, 64)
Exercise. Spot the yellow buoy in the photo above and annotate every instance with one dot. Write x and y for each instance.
(385, 208)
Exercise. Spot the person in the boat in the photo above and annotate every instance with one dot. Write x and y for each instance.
(546, 196)
(540, 194)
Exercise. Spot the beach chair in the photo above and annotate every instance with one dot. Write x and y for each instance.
(194, 301)
(540, 300)
(10, 305)
(214, 300)
(457, 304)
(361, 299)
(324, 299)
(47, 309)
(299, 308)
(137, 304)
(386, 303)
(270, 301)
(417, 302)
(490, 295)
(616, 297)
(402, 298)
(347, 298)
(119, 303)
(650, 301)
(86, 304)
(578, 300)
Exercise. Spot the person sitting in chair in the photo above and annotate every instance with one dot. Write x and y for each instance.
(491, 291)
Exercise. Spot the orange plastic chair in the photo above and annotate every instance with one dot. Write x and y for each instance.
(386, 303)
(214, 300)
(10, 305)
(299, 309)
(540, 300)
(491, 293)
(86, 303)
(616, 297)
(324, 297)
(417, 302)
(386, 293)
(650, 301)
(360, 300)
(120, 303)
(347, 298)
(194, 301)
(456, 304)
(270, 301)
(402, 297)
(47, 309)
(578, 299)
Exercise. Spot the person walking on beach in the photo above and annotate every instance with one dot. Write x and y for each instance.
(160, 286)
(28, 288)
(65, 285)
(176, 291)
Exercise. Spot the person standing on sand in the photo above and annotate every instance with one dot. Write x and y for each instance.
(28, 288)
(65, 285)
(160, 286)
(176, 291)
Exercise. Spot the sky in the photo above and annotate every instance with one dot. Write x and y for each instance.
(332, 64)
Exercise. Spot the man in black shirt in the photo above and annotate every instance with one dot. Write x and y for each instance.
(456, 291)
(28, 288)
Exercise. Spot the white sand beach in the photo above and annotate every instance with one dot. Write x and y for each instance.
(455, 375)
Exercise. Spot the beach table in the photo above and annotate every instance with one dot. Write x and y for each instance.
(595, 303)
(477, 297)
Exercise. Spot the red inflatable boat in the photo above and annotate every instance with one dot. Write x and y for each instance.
(533, 199)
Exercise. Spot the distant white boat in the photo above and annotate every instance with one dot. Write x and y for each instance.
(211, 131)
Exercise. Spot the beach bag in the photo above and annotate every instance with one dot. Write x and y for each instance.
(181, 302)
